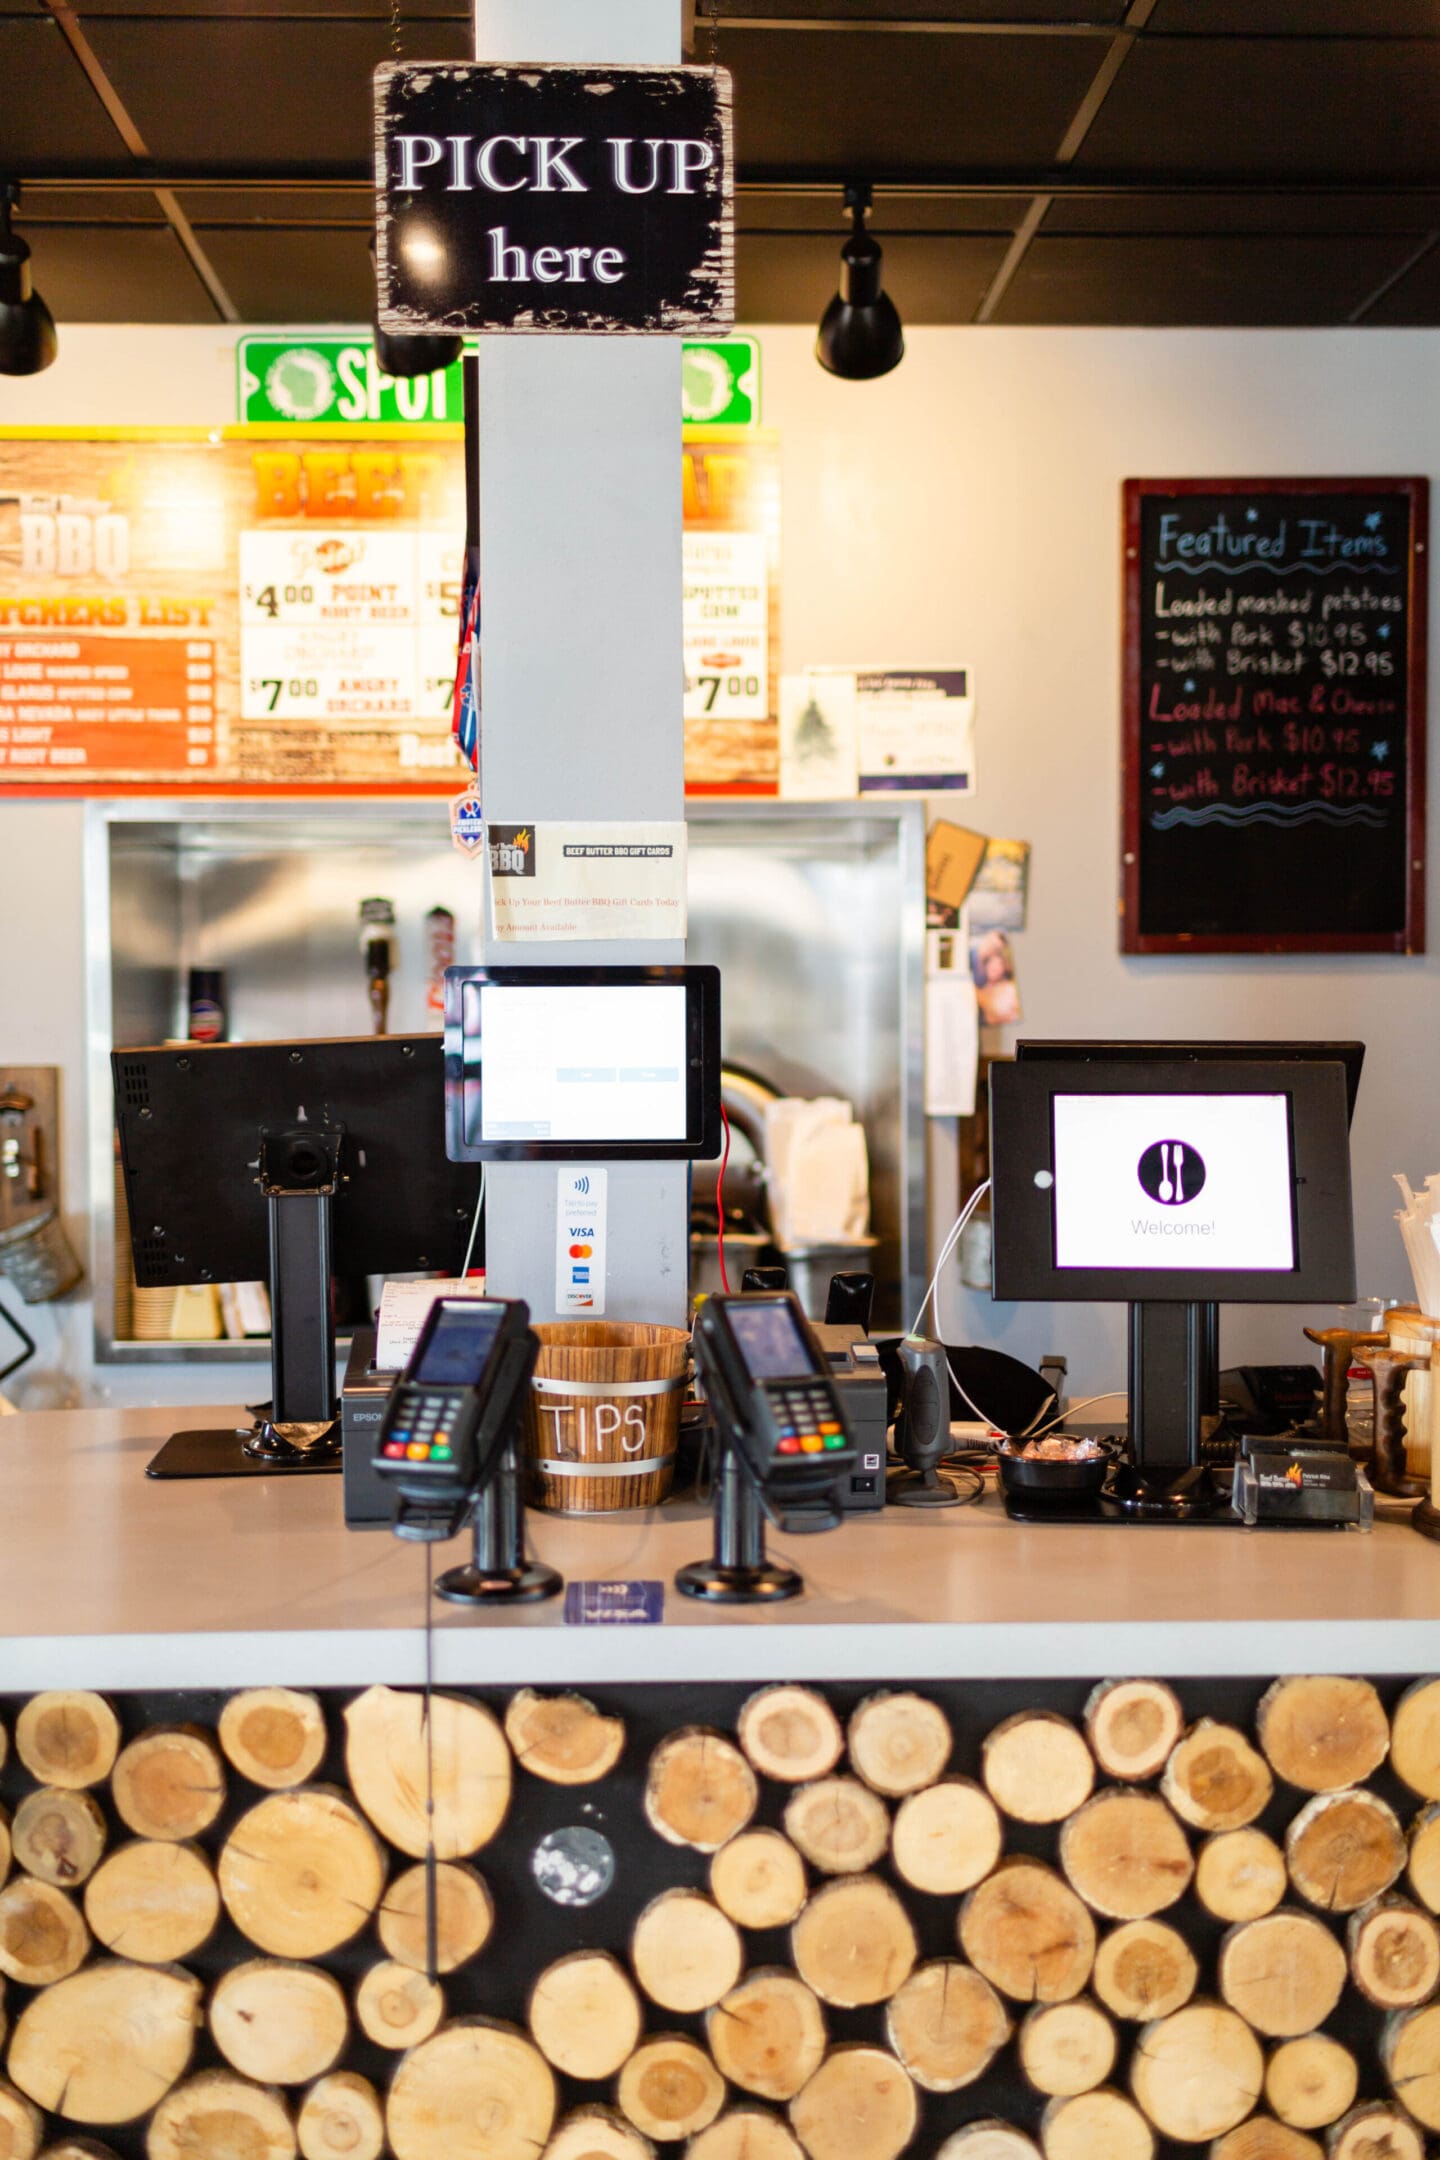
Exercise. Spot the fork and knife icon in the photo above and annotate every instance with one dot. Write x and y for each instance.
(1171, 1189)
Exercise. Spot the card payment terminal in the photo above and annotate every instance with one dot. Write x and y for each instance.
(769, 1385)
(453, 1410)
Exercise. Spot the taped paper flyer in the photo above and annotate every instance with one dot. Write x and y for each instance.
(563, 881)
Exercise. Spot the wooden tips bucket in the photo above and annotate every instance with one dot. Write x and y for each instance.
(604, 1414)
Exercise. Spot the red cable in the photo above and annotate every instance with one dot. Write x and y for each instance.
(720, 1203)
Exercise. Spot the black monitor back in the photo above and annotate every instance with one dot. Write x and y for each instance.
(190, 1119)
(1349, 1054)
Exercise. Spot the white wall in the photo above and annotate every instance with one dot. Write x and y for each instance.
(965, 507)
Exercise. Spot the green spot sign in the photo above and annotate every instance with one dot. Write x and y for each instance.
(328, 381)
(336, 381)
(720, 382)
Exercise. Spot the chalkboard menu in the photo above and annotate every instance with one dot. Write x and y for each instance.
(1274, 715)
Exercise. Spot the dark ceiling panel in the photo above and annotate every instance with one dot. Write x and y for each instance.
(932, 280)
(414, 14)
(853, 104)
(89, 206)
(279, 206)
(1240, 279)
(893, 212)
(1253, 210)
(222, 94)
(109, 273)
(1414, 301)
(1271, 106)
(1298, 18)
(961, 11)
(294, 277)
(48, 110)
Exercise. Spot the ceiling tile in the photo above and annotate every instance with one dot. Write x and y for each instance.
(1246, 280)
(88, 206)
(48, 110)
(414, 14)
(943, 11)
(1267, 106)
(931, 280)
(297, 277)
(1414, 301)
(895, 211)
(280, 205)
(1297, 18)
(841, 105)
(1244, 210)
(109, 273)
(255, 92)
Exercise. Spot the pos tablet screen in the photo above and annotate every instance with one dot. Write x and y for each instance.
(582, 1064)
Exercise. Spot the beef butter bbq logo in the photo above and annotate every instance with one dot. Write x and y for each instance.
(553, 198)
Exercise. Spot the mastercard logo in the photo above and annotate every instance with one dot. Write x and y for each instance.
(581, 1252)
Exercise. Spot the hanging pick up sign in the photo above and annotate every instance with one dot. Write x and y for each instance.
(553, 199)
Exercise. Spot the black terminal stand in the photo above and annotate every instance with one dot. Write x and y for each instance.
(1173, 1382)
(500, 1574)
(300, 1170)
(739, 1573)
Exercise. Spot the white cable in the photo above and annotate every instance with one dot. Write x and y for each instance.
(474, 1225)
(947, 1248)
(1085, 1403)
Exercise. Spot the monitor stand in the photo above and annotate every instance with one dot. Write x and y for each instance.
(1174, 1383)
(297, 1431)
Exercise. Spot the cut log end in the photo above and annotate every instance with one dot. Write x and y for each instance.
(156, 1903)
(475, 2072)
(1322, 1733)
(1415, 1739)
(840, 1825)
(860, 2105)
(1144, 1971)
(279, 2024)
(101, 2045)
(1394, 1954)
(899, 1743)
(1132, 1725)
(989, 2140)
(1028, 1933)
(67, 1737)
(946, 2024)
(1215, 1780)
(58, 1836)
(745, 2134)
(397, 2007)
(758, 1880)
(396, 1754)
(562, 1738)
(1310, 2082)
(669, 2088)
(1067, 2048)
(274, 1736)
(1343, 1850)
(1240, 1875)
(301, 1873)
(216, 2113)
(1262, 2138)
(597, 2133)
(341, 2118)
(22, 2126)
(1410, 2052)
(946, 1839)
(1101, 2125)
(1197, 2074)
(1283, 1974)
(790, 1734)
(700, 1790)
(169, 1784)
(1037, 1767)
(686, 1954)
(1376, 2132)
(768, 2034)
(854, 1943)
(464, 1916)
(585, 2016)
(43, 1936)
(1126, 1855)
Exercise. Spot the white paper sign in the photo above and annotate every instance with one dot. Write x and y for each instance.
(819, 753)
(726, 626)
(403, 1310)
(952, 1023)
(587, 881)
(580, 1204)
(916, 729)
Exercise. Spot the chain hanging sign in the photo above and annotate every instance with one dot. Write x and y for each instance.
(553, 199)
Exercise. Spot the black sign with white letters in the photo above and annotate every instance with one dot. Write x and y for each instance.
(553, 198)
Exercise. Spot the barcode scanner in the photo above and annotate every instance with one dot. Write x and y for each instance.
(922, 1425)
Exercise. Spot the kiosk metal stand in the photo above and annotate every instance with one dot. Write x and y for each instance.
(500, 1574)
(738, 1573)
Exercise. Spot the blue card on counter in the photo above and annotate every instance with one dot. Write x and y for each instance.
(607, 1604)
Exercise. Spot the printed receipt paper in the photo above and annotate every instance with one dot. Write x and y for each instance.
(560, 881)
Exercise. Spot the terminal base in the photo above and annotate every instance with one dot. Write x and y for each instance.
(526, 1584)
(765, 1584)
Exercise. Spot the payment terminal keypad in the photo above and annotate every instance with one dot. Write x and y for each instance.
(422, 1427)
(806, 1419)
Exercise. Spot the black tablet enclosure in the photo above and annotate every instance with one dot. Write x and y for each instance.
(582, 1064)
(1274, 715)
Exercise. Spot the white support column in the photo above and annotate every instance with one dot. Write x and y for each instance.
(581, 663)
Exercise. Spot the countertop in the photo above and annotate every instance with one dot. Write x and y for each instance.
(108, 1579)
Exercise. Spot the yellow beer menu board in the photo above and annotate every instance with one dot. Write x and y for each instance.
(257, 610)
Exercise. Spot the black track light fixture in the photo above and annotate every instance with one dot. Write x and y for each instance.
(403, 356)
(860, 335)
(27, 328)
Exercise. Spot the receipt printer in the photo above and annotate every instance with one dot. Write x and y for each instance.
(364, 1392)
(854, 1365)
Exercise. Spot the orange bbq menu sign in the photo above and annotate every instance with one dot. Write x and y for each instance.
(227, 611)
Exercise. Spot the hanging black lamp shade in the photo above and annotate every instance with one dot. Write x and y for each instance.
(27, 328)
(402, 356)
(860, 334)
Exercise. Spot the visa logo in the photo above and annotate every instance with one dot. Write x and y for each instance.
(580, 1230)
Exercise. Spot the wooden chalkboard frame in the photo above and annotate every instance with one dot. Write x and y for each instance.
(1134, 937)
